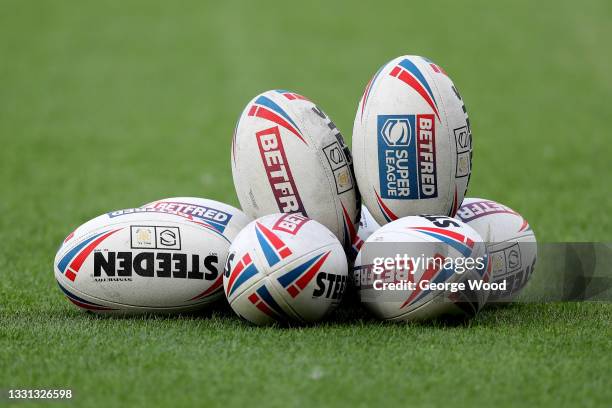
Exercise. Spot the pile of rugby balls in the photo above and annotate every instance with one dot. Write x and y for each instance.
(286, 258)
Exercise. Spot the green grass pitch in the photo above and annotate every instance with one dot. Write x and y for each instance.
(106, 105)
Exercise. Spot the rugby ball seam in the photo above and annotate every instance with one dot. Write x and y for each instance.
(110, 303)
(452, 187)
(318, 151)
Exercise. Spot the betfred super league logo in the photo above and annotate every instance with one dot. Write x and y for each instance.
(407, 156)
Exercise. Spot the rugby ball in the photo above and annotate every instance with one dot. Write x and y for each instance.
(511, 244)
(288, 157)
(422, 267)
(367, 224)
(412, 143)
(285, 268)
(222, 217)
(142, 260)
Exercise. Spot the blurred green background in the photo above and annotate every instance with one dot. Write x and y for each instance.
(106, 105)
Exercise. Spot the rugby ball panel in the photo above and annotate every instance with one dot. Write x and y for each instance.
(129, 261)
(411, 141)
(314, 284)
(219, 216)
(262, 305)
(494, 221)
(367, 224)
(510, 240)
(288, 156)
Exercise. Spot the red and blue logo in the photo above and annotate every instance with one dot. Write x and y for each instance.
(71, 262)
(436, 68)
(408, 73)
(266, 108)
(292, 96)
(263, 300)
(431, 274)
(434, 275)
(273, 247)
(243, 271)
(299, 277)
(460, 242)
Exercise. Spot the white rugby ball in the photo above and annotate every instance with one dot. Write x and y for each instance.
(285, 268)
(424, 282)
(142, 260)
(412, 144)
(367, 224)
(222, 217)
(510, 241)
(289, 157)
